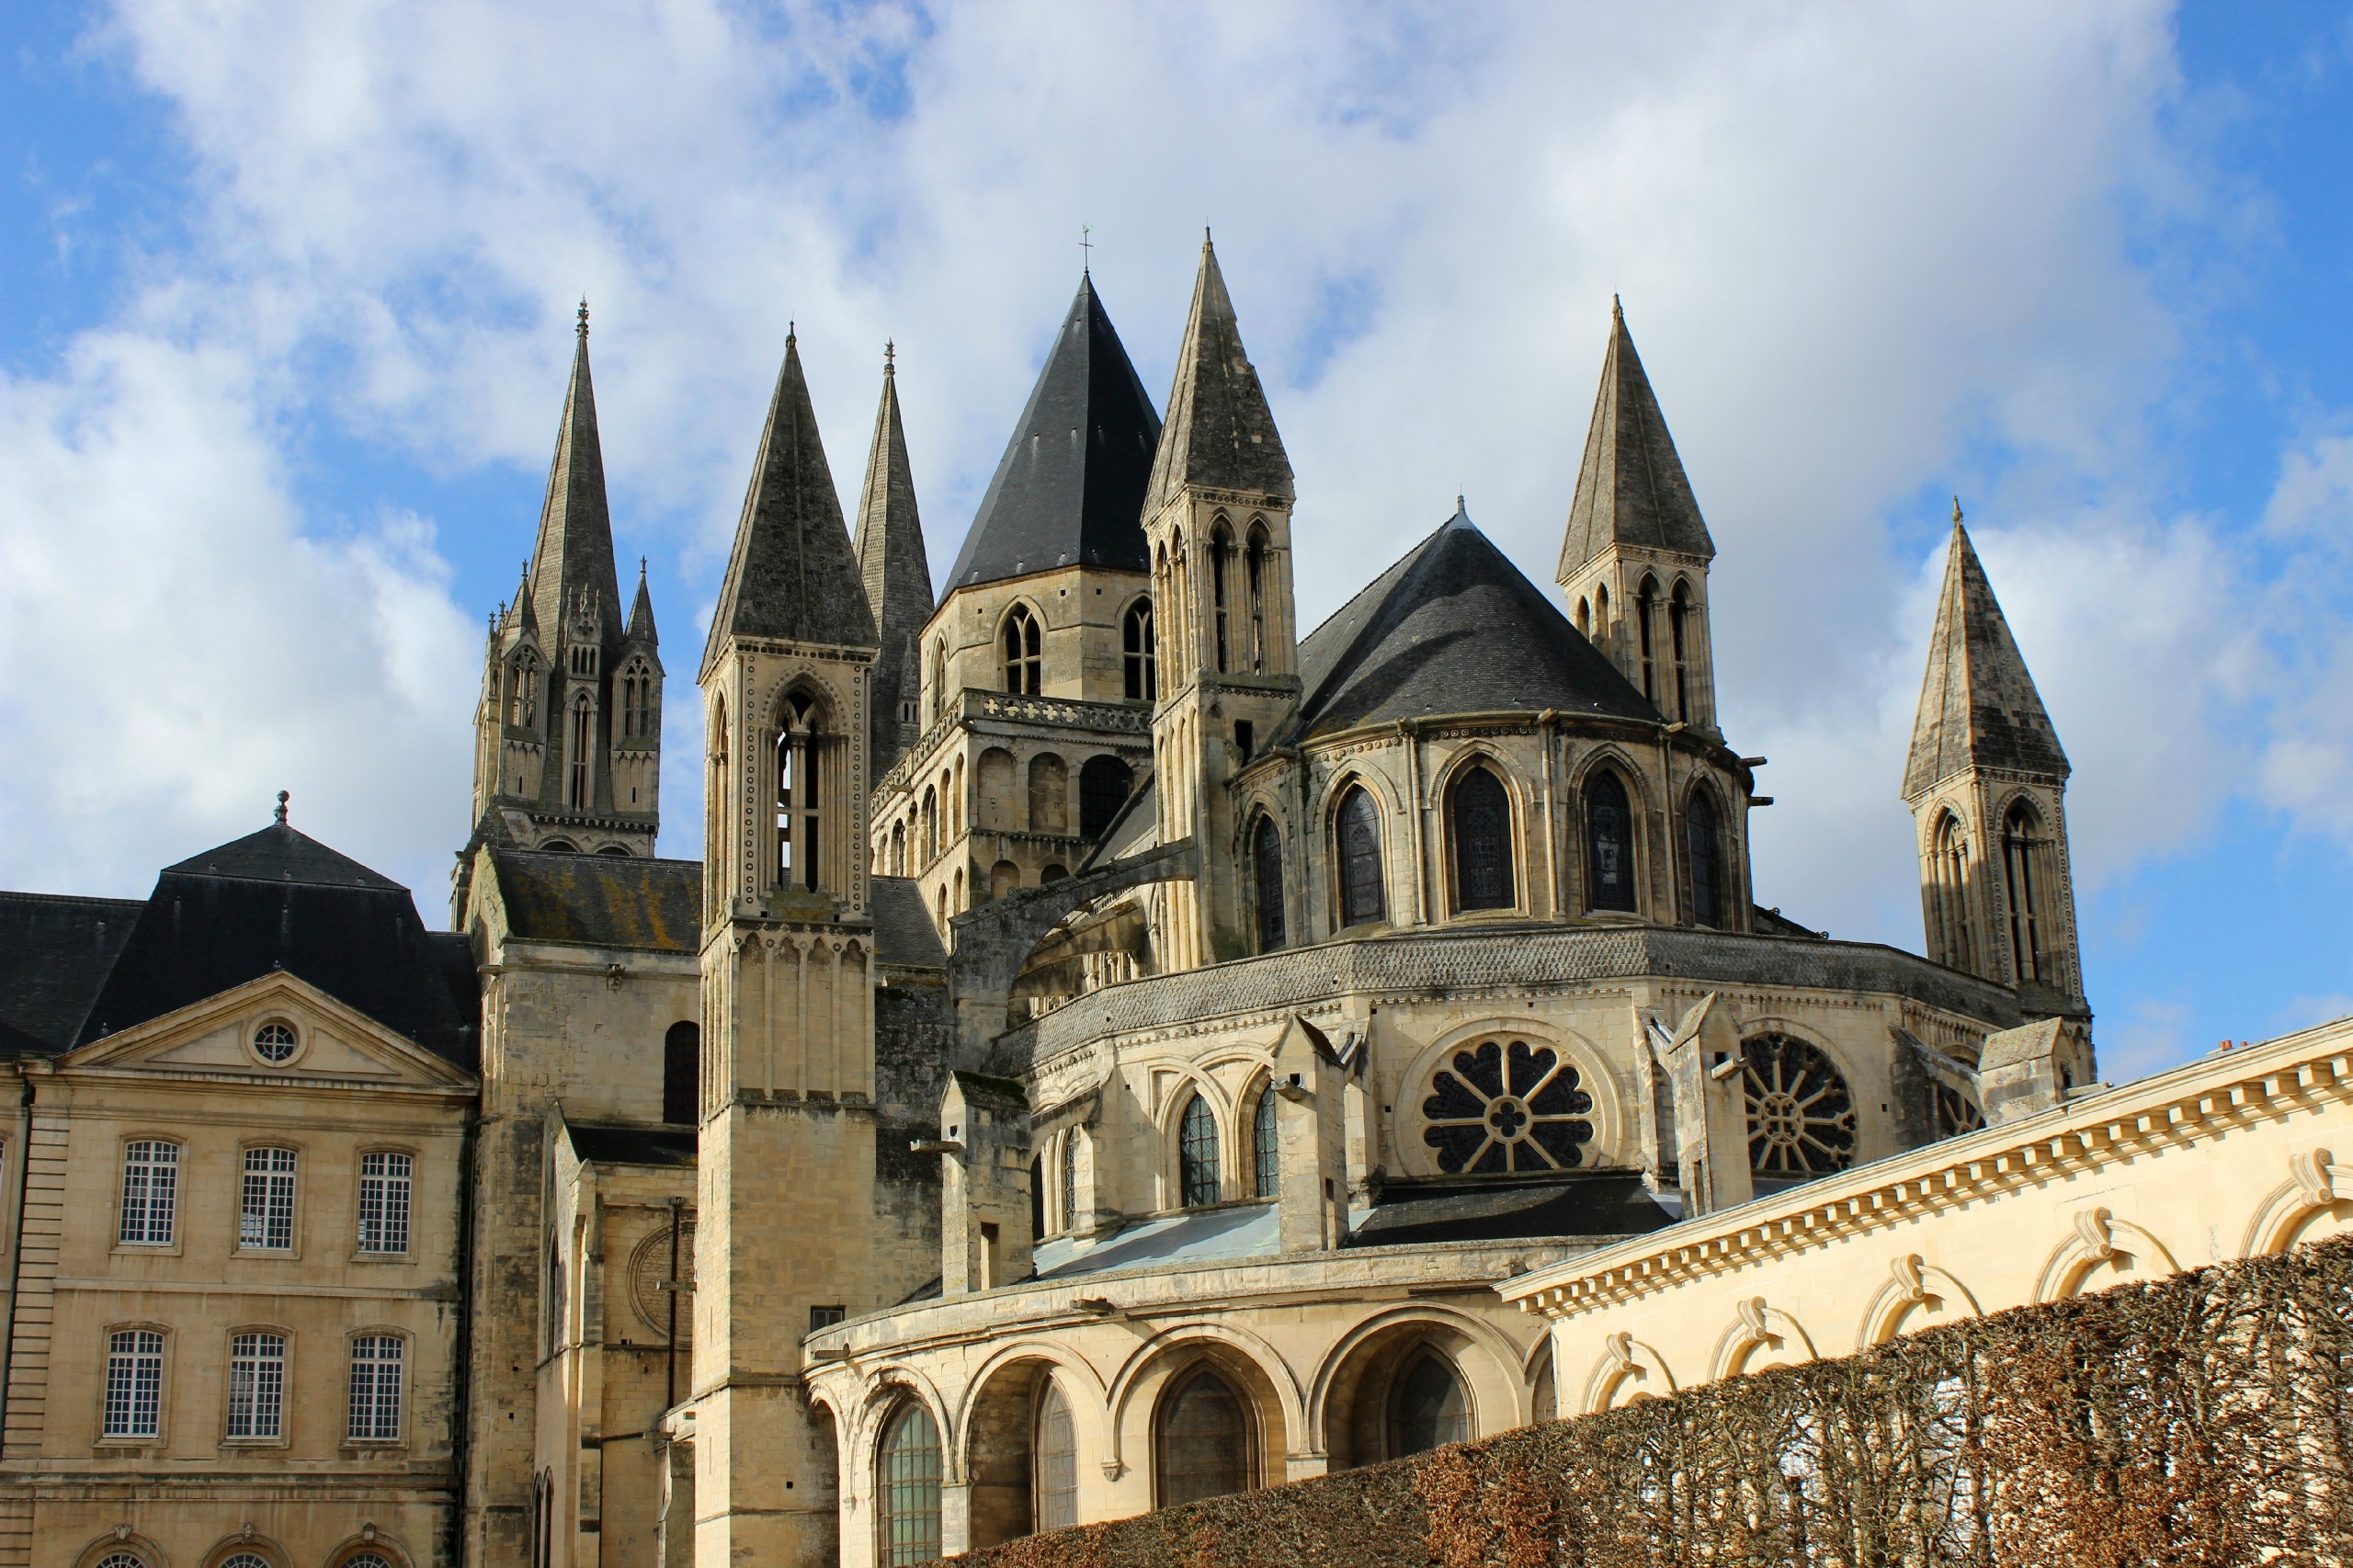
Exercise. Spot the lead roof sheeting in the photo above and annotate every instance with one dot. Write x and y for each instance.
(55, 956)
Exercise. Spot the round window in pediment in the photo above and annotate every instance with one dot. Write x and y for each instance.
(275, 1042)
(1506, 1106)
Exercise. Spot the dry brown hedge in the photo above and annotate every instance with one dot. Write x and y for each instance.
(2200, 1420)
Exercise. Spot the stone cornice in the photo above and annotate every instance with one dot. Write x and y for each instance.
(2200, 1102)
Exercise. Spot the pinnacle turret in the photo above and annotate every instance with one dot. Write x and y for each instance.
(1220, 433)
(640, 612)
(574, 556)
(1978, 704)
(896, 573)
(792, 574)
(1632, 490)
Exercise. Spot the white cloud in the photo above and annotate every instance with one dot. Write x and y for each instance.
(1862, 248)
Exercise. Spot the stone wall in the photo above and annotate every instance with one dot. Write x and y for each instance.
(2195, 1419)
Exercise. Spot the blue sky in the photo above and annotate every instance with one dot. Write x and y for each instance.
(288, 288)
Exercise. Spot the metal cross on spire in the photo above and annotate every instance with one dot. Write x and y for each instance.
(1087, 249)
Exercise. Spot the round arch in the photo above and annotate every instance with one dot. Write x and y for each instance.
(1257, 1371)
(1493, 1371)
(1628, 1369)
(2101, 1242)
(2318, 1188)
(1915, 1287)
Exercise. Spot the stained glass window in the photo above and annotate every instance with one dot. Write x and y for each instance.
(1361, 895)
(1705, 859)
(1609, 844)
(1266, 860)
(1801, 1118)
(1481, 813)
(1203, 1441)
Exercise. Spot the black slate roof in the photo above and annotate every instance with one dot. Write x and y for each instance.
(632, 1145)
(1452, 628)
(55, 955)
(1070, 489)
(606, 901)
(281, 900)
(1603, 1203)
(904, 937)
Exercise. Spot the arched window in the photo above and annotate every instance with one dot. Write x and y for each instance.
(719, 809)
(1428, 1408)
(1801, 1118)
(1257, 568)
(1679, 636)
(639, 718)
(1609, 844)
(1197, 1177)
(1479, 813)
(682, 1072)
(1266, 862)
(1136, 643)
(1645, 635)
(1703, 852)
(1056, 1446)
(584, 751)
(523, 694)
(931, 825)
(1220, 568)
(938, 681)
(1949, 868)
(800, 803)
(1601, 611)
(1362, 897)
(1103, 786)
(2021, 848)
(1266, 1146)
(1023, 666)
(1004, 877)
(1201, 1442)
(898, 850)
(1585, 619)
(1070, 1179)
(908, 1489)
(560, 847)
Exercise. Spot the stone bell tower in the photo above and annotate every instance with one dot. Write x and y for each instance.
(1217, 514)
(785, 1161)
(1987, 782)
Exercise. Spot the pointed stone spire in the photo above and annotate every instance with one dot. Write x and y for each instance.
(895, 571)
(574, 553)
(792, 574)
(640, 612)
(1978, 705)
(523, 612)
(1632, 490)
(1219, 432)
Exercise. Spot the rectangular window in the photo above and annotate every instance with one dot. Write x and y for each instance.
(150, 1178)
(266, 1219)
(135, 1383)
(383, 1201)
(376, 1388)
(256, 1385)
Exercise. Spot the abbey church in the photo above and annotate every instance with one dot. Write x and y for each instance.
(1119, 1047)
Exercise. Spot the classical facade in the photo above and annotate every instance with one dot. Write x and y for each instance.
(1117, 1047)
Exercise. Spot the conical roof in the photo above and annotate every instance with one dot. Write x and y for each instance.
(1070, 489)
(1978, 705)
(792, 574)
(1631, 489)
(641, 611)
(575, 552)
(894, 567)
(1452, 628)
(1220, 431)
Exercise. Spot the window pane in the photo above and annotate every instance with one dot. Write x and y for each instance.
(1481, 813)
(1267, 1144)
(1203, 1446)
(256, 1386)
(1610, 858)
(909, 1484)
(266, 1218)
(150, 1190)
(1429, 1410)
(1362, 896)
(1266, 856)
(134, 1383)
(1196, 1154)
(376, 1388)
(1700, 830)
(384, 1184)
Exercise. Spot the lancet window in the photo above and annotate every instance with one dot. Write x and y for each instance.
(908, 1489)
(1220, 570)
(1024, 666)
(1645, 635)
(1357, 825)
(1704, 858)
(1948, 895)
(1428, 1408)
(1609, 844)
(1135, 641)
(1201, 1443)
(1056, 1469)
(1255, 566)
(580, 787)
(1679, 637)
(799, 790)
(2022, 847)
(1266, 864)
(1479, 815)
(1196, 1155)
(1266, 1145)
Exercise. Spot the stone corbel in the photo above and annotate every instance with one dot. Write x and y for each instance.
(2099, 1241)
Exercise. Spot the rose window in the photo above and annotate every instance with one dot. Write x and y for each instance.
(1801, 1118)
(1956, 1113)
(1518, 1108)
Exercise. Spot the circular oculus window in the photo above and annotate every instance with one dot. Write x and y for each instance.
(275, 1043)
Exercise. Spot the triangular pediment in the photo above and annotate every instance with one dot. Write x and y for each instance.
(332, 1043)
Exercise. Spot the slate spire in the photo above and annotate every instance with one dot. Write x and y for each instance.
(792, 573)
(1631, 489)
(640, 612)
(1070, 489)
(1978, 705)
(575, 552)
(1220, 432)
(895, 571)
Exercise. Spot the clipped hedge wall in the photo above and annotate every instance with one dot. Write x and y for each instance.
(2204, 1420)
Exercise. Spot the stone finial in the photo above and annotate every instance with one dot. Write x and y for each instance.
(583, 326)
(280, 814)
